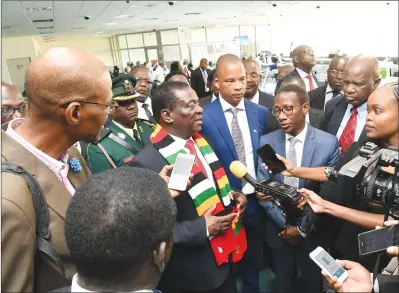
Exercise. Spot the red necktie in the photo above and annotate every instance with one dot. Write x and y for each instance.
(311, 85)
(198, 166)
(348, 135)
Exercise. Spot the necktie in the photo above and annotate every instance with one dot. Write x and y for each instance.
(291, 156)
(238, 139)
(336, 93)
(148, 113)
(137, 137)
(348, 135)
(205, 76)
(311, 85)
(197, 163)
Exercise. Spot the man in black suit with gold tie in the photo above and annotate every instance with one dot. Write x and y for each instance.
(199, 79)
(320, 96)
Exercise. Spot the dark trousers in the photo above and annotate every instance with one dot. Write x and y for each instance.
(229, 286)
(249, 267)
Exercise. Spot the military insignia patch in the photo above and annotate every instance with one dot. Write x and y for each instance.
(128, 159)
(121, 135)
(141, 129)
(128, 86)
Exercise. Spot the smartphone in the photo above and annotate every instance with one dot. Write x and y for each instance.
(268, 156)
(181, 172)
(378, 240)
(327, 263)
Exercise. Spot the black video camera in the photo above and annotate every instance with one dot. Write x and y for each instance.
(371, 183)
(287, 198)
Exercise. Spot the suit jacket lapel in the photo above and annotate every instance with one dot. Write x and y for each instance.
(77, 178)
(280, 150)
(217, 115)
(307, 153)
(252, 117)
(339, 114)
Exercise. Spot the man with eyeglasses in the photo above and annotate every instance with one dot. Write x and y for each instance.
(123, 136)
(320, 96)
(303, 145)
(13, 105)
(66, 105)
(143, 86)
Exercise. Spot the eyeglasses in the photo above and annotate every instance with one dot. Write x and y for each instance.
(8, 112)
(336, 72)
(146, 81)
(286, 110)
(109, 105)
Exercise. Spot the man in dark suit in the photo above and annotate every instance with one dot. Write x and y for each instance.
(320, 96)
(233, 126)
(303, 60)
(314, 116)
(194, 264)
(199, 79)
(307, 147)
(252, 71)
(345, 116)
(214, 91)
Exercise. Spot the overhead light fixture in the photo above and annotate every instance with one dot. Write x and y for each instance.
(170, 20)
(112, 23)
(193, 13)
(223, 18)
(36, 9)
(43, 20)
(154, 18)
(122, 16)
(43, 28)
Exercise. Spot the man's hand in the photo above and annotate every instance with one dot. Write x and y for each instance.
(165, 176)
(392, 250)
(217, 225)
(315, 201)
(359, 279)
(262, 196)
(241, 201)
(290, 168)
(291, 235)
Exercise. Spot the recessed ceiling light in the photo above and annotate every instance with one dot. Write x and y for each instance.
(112, 23)
(122, 16)
(193, 13)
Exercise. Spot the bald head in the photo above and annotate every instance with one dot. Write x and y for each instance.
(284, 70)
(303, 58)
(61, 75)
(230, 78)
(361, 78)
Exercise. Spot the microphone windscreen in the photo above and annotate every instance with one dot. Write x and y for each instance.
(238, 169)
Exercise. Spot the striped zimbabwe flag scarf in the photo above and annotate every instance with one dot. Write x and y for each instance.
(204, 195)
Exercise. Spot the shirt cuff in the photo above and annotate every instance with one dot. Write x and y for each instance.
(207, 232)
(375, 286)
(302, 234)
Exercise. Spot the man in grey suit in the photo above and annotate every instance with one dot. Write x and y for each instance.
(303, 146)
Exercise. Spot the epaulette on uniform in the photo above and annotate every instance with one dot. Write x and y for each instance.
(104, 133)
(153, 126)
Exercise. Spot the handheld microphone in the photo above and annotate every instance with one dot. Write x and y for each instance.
(240, 171)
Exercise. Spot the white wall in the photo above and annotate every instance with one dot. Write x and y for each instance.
(11, 48)
(101, 48)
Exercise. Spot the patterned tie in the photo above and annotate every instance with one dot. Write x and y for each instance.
(238, 139)
(148, 113)
(137, 137)
(311, 85)
(190, 146)
(348, 135)
(291, 156)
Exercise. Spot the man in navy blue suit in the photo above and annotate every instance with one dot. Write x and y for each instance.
(233, 126)
(303, 146)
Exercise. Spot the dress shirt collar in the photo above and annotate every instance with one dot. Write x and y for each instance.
(127, 130)
(255, 99)
(214, 97)
(361, 110)
(56, 166)
(329, 89)
(300, 137)
(227, 106)
(302, 73)
(75, 287)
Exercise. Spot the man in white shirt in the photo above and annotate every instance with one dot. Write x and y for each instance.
(320, 96)
(233, 126)
(156, 71)
(303, 60)
(143, 86)
(130, 250)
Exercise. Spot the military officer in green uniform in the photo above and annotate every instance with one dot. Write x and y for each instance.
(124, 135)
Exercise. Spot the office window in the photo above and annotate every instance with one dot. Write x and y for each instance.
(214, 35)
(183, 36)
(171, 53)
(137, 55)
(198, 52)
(169, 37)
(230, 33)
(248, 31)
(135, 40)
(122, 42)
(185, 52)
(197, 35)
(150, 39)
(125, 58)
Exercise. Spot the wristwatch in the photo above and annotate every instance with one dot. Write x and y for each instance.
(328, 171)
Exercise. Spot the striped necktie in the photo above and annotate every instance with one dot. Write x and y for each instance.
(238, 140)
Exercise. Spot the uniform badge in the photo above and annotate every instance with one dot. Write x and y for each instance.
(128, 159)
(121, 135)
(141, 129)
(128, 86)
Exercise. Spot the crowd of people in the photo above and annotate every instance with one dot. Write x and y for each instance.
(87, 156)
